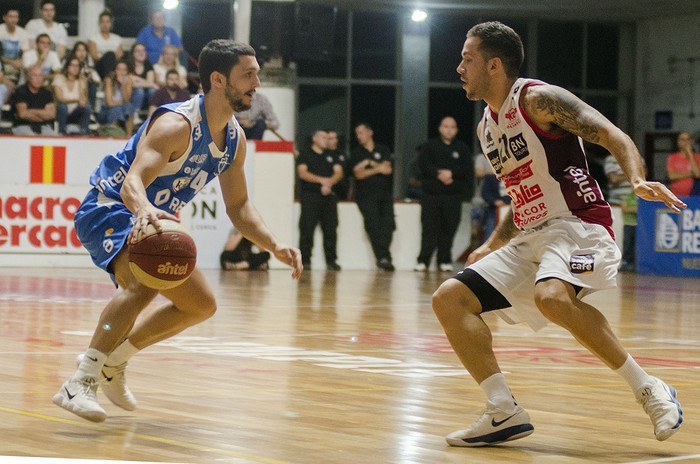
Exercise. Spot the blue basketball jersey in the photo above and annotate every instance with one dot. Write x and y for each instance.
(181, 179)
(103, 222)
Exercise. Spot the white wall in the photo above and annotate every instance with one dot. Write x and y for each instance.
(660, 85)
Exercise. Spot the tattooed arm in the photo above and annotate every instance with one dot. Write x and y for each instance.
(556, 110)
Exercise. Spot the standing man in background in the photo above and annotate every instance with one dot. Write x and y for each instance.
(318, 172)
(448, 180)
(372, 166)
(342, 188)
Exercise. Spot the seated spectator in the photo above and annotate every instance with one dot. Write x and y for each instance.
(71, 95)
(683, 167)
(171, 93)
(494, 196)
(33, 106)
(168, 60)
(240, 254)
(157, 36)
(618, 185)
(259, 117)
(117, 109)
(87, 67)
(13, 42)
(105, 47)
(47, 25)
(142, 77)
(43, 56)
(3, 88)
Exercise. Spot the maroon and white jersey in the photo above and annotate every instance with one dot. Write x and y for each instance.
(546, 175)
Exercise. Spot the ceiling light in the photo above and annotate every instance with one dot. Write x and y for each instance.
(170, 4)
(419, 16)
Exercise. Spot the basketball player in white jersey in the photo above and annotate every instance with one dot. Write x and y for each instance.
(554, 248)
(175, 153)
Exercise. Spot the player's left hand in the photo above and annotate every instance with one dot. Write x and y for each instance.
(656, 191)
(291, 257)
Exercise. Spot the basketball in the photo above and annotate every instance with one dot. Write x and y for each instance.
(163, 260)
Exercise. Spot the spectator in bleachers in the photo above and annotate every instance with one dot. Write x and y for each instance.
(259, 117)
(87, 67)
(157, 35)
(105, 47)
(33, 106)
(169, 60)
(13, 42)
(47, 25)
(171, 93)
(683, 167)
(618, 185)
(70, 90)
(43, 56)
(117, 109)
(143, 78)
(3, 88)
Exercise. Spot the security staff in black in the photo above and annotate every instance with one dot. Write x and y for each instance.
(342, 188)
(448, 179)
(318, 172)
(373, 170)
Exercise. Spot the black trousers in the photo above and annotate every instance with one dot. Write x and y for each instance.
(315, 209)
(378, 213)
(440, 216)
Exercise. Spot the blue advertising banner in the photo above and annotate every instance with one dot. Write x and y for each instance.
(668, 243)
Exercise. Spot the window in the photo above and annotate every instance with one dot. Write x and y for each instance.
(448, 31)
(321, 107)
(603, 51)
(374, 47)
(376, 106)
(452, 102)
(560, 53)
(331, 60)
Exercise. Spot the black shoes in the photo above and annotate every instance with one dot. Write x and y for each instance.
(385, 264)
(333, 266)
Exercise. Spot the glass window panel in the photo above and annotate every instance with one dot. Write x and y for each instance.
(321, 107)
(374, 48)
(560, 53)
(330, 58)
(375, 105)
(603, 54)
(452, 102)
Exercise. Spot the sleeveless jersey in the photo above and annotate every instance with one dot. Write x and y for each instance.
(181, 179)
(546, 175)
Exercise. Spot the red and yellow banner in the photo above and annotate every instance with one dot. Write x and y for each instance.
(48, 164)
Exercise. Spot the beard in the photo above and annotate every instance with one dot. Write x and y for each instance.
(235, 100)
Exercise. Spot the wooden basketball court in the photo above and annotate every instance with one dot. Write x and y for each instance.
(349, 367)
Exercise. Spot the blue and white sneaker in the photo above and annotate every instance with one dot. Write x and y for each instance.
(659, 401)
(494, 426)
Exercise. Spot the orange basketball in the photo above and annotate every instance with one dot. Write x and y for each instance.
(163, 260)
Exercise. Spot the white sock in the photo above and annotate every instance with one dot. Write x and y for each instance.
(121, 354)
(634, 375)
(91, 365)
(498, 393)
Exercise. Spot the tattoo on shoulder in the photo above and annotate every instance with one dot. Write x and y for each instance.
(569, 113)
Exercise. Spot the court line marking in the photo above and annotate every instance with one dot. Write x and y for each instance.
(673, 459)
(151, 438)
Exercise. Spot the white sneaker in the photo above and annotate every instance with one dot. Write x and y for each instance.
(420, 267)
(494, 426)
(659, 401)
(113, 382)
(446, 267)
(79, 397)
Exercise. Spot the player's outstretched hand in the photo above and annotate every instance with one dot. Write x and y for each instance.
(291, 257)
(148, 215)
(656, 191)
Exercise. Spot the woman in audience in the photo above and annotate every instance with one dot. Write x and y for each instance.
(117, 109)
(71, 96)
(142, 77)
(80, 51)
(169, 60)
(105, 47)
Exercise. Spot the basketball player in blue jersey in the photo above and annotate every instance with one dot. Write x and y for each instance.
(175, 153)
(554, 248)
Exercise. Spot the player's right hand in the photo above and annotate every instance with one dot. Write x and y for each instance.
(148, 215)
(656, 191)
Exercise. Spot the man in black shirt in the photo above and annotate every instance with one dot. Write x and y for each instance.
(448, 180)
(33, 106)
(373, 167)
(342, 188)
(318, 172)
